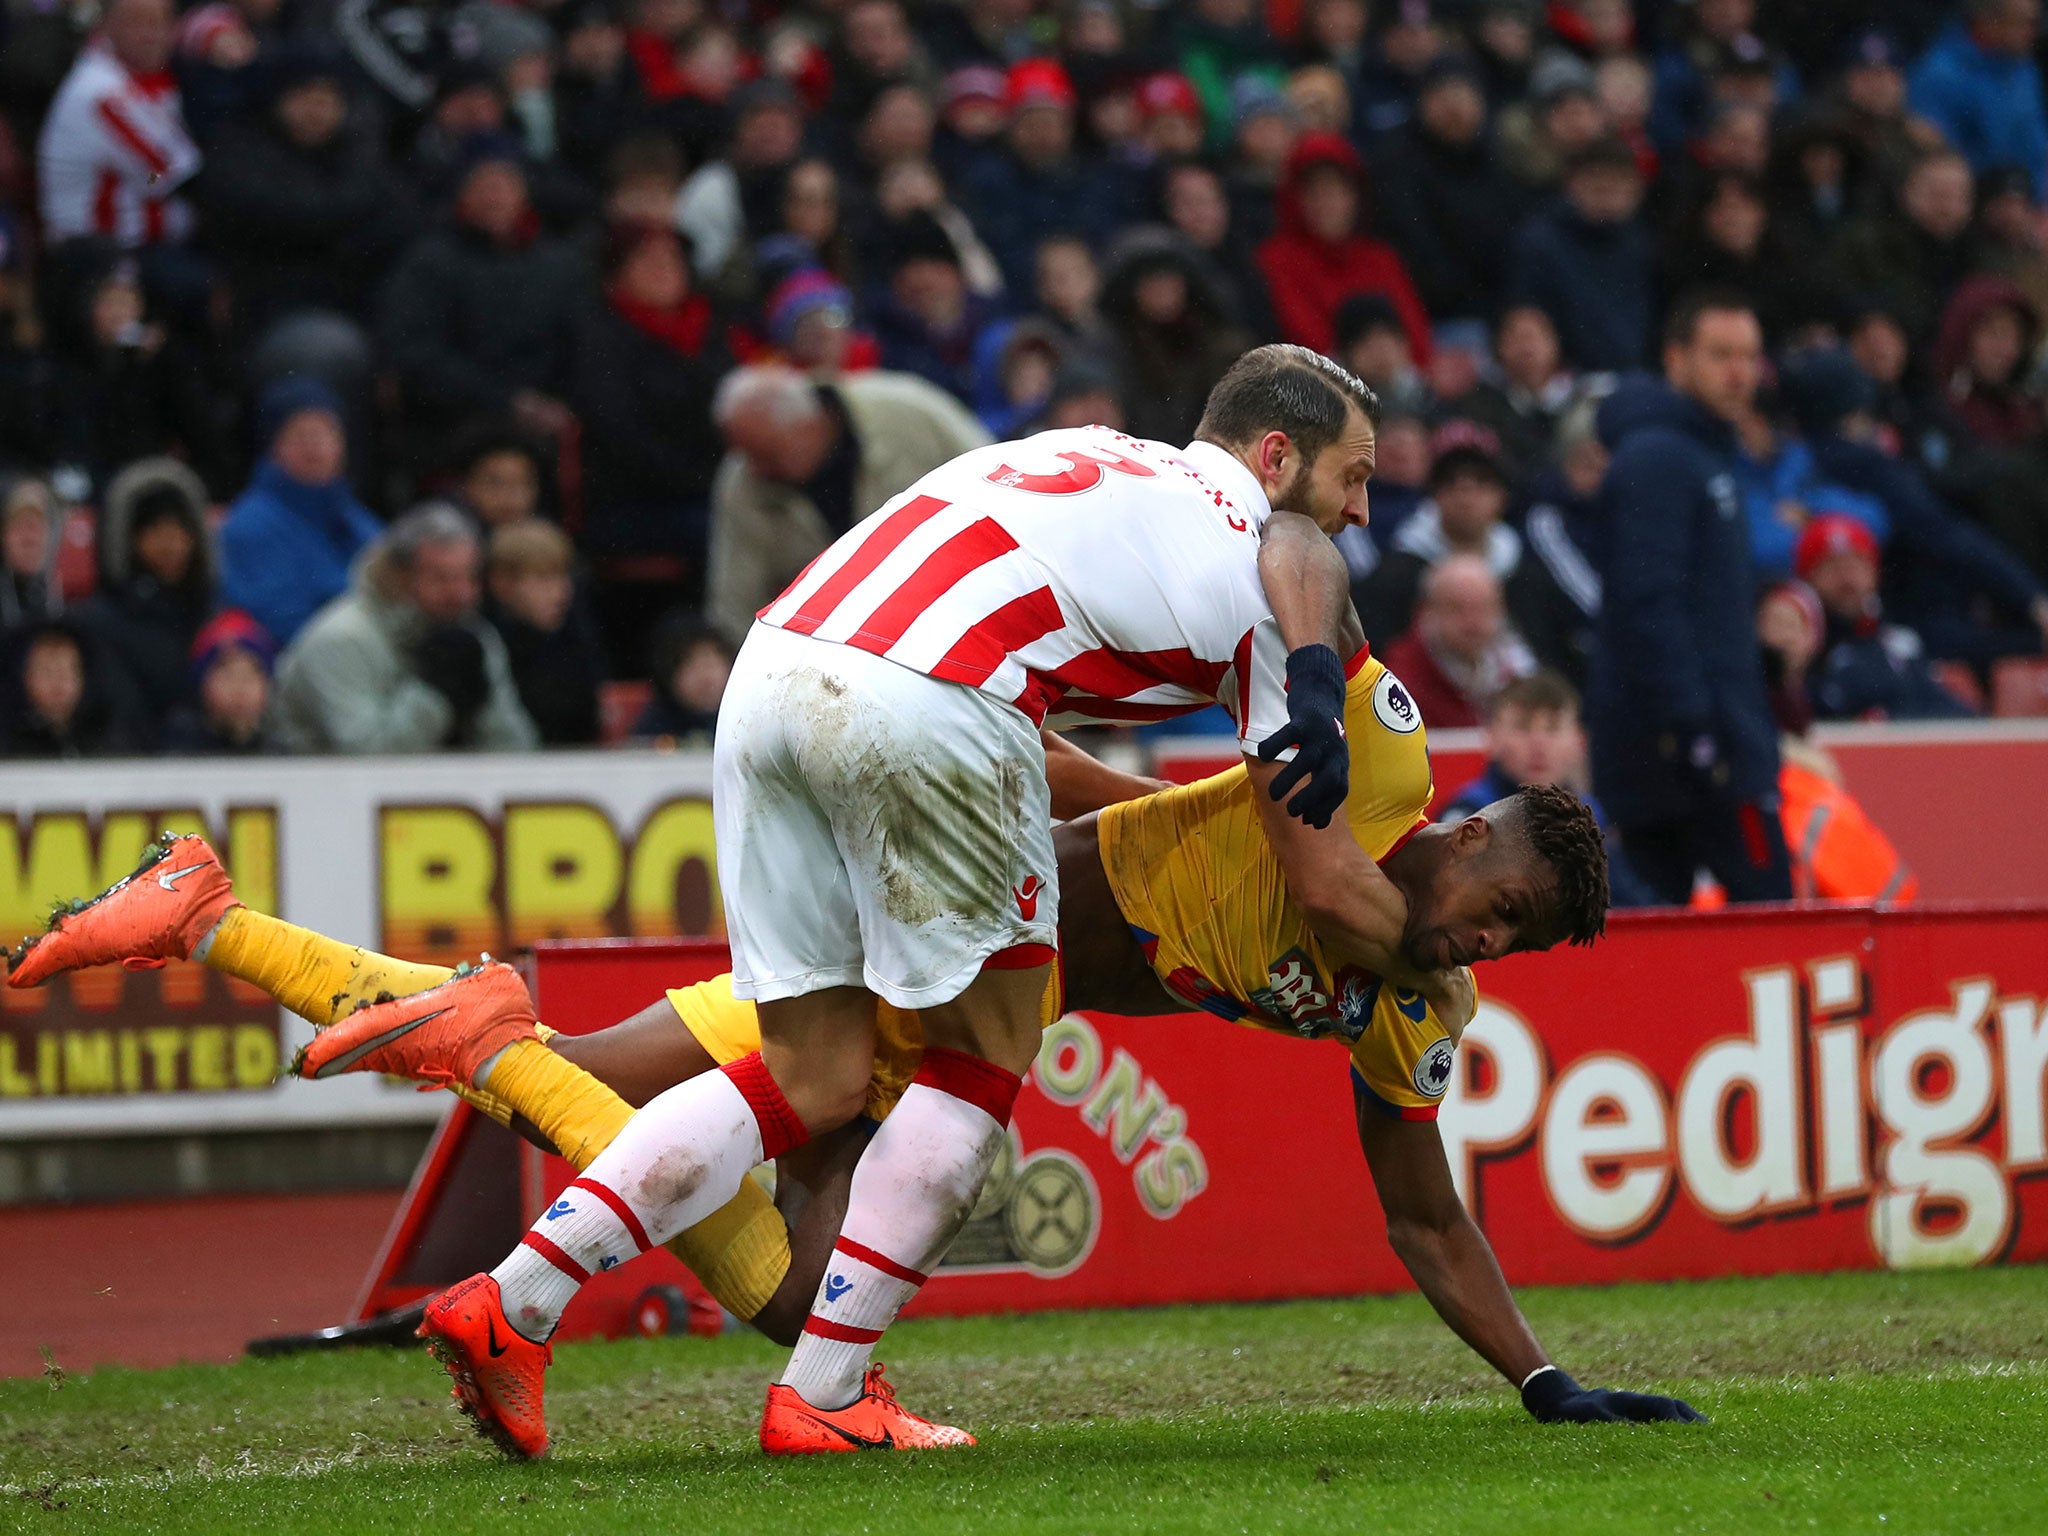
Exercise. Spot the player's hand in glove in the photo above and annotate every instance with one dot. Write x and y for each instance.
(1315, 729)
(449, 659)
(1555, 1398)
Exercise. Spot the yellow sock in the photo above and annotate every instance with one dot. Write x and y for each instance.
(320, 979)
(740, 1251)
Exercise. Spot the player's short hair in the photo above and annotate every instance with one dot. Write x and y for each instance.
(1560, 830)
(1682, 324)
(1285, 388)
(1542, 692)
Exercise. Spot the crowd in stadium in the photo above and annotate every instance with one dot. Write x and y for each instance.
(390, 374)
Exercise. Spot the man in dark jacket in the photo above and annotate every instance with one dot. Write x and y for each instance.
(477, 318)
(300, 203)
(156, 587)
(1445, 202)
(1685, 754)
(1589, 264)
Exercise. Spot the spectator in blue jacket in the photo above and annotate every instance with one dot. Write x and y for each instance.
(288, 541)
(1685, 753)
(1978, 83)
(1590, 264)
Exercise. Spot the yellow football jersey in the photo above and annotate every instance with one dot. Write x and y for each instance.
(1201, 888)
(1204, 894)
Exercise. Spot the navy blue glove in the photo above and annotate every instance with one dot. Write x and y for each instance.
(1555, 1398)
(1315, 729)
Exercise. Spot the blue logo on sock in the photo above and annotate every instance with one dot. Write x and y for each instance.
(609, 1261)
(561, 1207)
(836, 1286)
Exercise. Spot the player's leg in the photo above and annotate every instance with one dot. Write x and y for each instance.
(914, 1188)
(958, 892)
(179, 904)
(796, 943)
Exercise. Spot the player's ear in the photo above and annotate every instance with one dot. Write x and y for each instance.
(1471, 835)
(1273, 450)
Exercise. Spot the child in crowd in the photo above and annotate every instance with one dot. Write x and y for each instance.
(557, 661)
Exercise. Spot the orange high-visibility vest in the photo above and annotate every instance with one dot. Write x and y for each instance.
(1837, 853)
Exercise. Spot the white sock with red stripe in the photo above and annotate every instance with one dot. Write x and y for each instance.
(678, 1160)
(913, 1190)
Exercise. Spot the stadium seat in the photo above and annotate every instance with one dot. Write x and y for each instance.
(619, 704)
(2019, 687)
(78, 556)
(1960, 679)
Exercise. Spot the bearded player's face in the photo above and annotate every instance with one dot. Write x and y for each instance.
(1330, 489)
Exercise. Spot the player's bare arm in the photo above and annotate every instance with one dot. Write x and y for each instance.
(1441, 1246)
(1452, 1264)
(1081, 783)
(1348, 900)
(1306, 581)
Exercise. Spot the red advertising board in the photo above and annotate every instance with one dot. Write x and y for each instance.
(1738, 1093)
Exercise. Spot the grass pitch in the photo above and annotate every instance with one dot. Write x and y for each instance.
(1867, 1403)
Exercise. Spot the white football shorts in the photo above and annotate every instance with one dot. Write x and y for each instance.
(876, 827)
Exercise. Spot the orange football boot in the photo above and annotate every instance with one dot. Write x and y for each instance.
(498, 1371)
(441, 1035)
(874, 1421)
(156, 915)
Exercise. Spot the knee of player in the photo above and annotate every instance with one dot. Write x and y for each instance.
(833, 1097)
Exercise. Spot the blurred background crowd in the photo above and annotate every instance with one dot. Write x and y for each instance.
(400, 375)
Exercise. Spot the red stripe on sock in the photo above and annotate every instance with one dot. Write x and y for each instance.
(881, 1261)
(1020, 957)
(556, 1257)
(619, 1209)
(983, 1084)
(780, 1127)
(825, 1328)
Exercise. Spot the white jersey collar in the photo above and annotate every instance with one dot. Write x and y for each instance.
(1226, 472)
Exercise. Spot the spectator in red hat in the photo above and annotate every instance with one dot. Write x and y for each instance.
(1039, 184)
(1868, 669)
(1172, 115)
(1321, 256)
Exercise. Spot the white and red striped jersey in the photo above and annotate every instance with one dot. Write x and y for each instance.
(1082, 575)
(113, 153)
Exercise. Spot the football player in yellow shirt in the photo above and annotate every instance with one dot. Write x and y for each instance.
(1172, 899)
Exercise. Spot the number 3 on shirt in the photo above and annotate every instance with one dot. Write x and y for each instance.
(1085, 474)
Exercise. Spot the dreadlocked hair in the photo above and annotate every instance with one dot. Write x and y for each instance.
(1562, 832)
